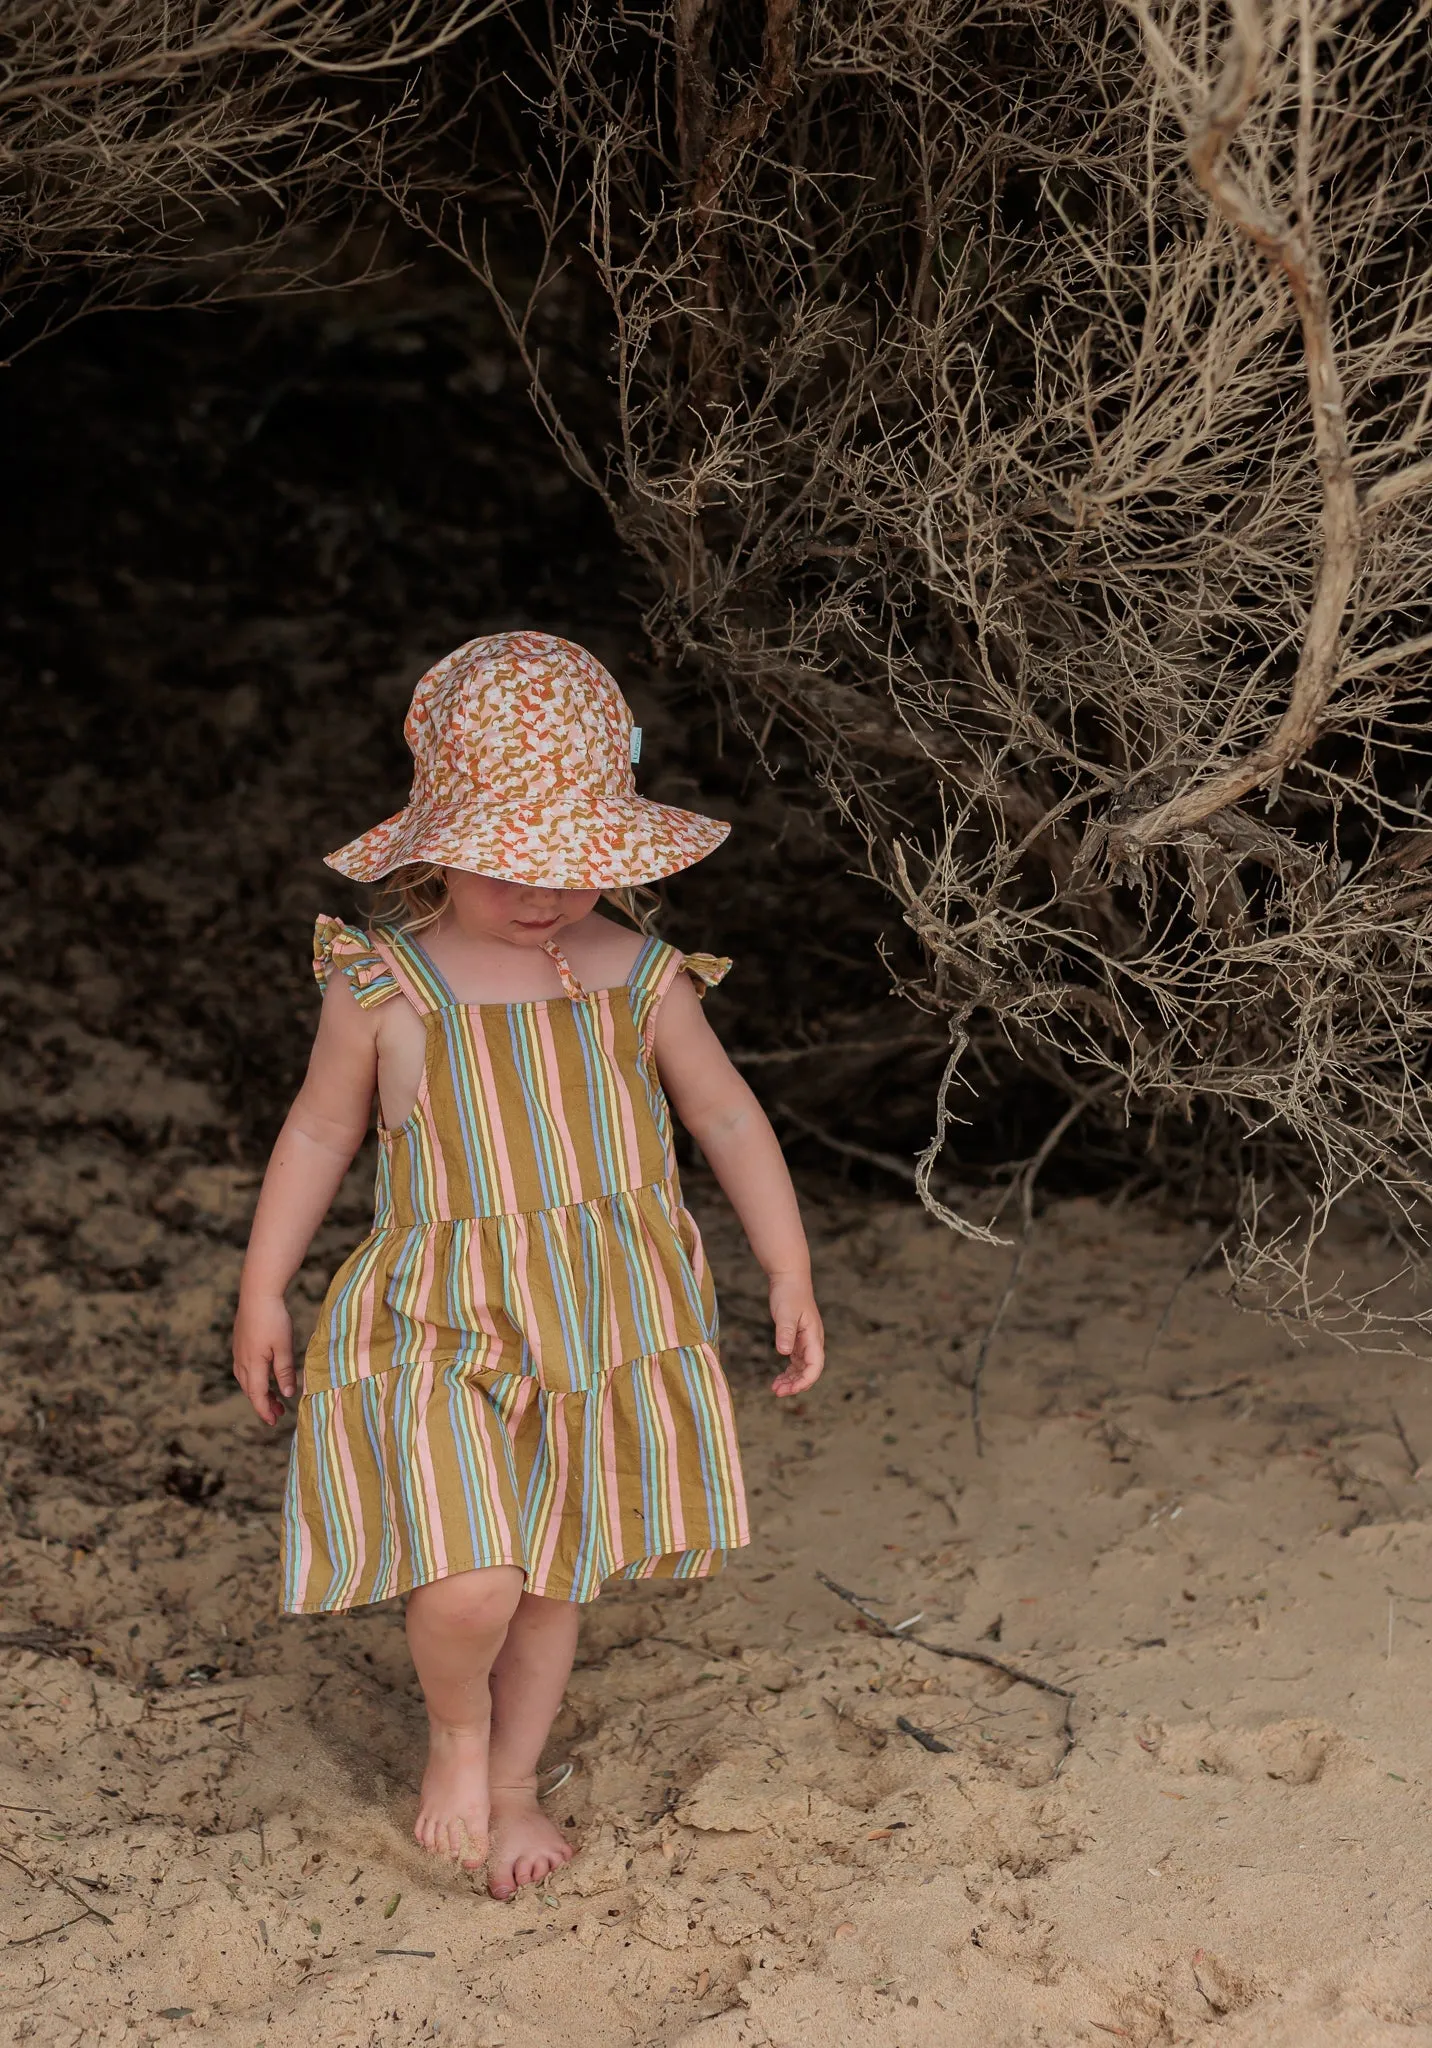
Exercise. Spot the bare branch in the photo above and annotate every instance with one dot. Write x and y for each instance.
(1288, 246)
(1047, 458)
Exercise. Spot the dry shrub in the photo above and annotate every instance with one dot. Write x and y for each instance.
(1025, 403)
(146, 146)
(1030, 403)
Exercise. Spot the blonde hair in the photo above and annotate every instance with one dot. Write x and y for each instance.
(413, 897)
(638, 905)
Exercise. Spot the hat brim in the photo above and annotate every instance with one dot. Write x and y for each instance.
(589, 842)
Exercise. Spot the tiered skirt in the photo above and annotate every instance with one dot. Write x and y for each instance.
(540, 1389)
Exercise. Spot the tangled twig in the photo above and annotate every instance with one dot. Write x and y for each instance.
(152, 150)
(902, 1635)
(1031, 413)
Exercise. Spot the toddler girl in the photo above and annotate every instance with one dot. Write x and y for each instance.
(513, 1393)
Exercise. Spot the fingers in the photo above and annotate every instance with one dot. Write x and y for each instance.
(263, 1348)
(252, 1375)
(283, 1371)
(795, 1381)
(796, 1378)
(807, 1353)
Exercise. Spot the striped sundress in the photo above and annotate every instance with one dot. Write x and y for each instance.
(518, 1365)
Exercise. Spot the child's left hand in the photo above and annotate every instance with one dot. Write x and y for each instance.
(800, 1333)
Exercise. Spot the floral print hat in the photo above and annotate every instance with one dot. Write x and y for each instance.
(523, 747)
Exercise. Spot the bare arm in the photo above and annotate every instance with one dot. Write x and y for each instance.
(734, 1133)
(315, 1148)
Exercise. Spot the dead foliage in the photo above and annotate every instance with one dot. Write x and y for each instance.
(1021, 408)
(1029, 407)
(150, 148)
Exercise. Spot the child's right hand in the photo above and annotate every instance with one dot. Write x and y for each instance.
(263, 1345)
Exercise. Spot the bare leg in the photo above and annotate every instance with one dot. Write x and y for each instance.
(528, 1681)
(456, 1628)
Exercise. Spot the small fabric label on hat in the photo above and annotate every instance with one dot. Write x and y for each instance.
(635, 745)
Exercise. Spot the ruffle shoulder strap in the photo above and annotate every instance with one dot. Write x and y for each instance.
(343, 947)
(657, 967)
(705, 969)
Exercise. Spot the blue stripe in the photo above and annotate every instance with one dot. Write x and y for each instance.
(481, 1178)
(597, 1068)
(484, 1540)
(648, 1435)
(545, 1145)
(696, 1374)
(371, 1410)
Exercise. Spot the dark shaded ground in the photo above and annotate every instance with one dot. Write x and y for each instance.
(234, 541)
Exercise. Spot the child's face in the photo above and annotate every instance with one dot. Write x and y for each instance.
(522, 916)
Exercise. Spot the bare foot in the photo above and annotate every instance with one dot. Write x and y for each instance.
(453, 1805)
(526, 1846)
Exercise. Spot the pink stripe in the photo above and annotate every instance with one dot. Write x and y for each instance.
(363, 1336)
(467, 1233)
(671, 1488)
(659, 987)
(436, 1159)
(305, 1537)
(659, 1282)
(721, 1397)
(527, 1319)
(521, 1401)
(610, 1503)
(428, 1492)
(399, 972)
(622, 1092)
(511, 1554)
(418, 1302)
(489, 1110)
(551, 1073)
(555, 1428)
(614, 1321)
(337, 1436)
(698, 1249)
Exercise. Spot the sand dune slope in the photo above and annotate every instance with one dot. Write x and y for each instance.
(1220, 1548)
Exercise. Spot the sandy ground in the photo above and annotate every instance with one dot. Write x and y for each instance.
(1220, 1547)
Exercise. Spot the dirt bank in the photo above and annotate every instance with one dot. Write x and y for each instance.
(1220, 1548)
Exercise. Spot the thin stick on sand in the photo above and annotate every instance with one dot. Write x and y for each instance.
(1414, 1463)
(24, 1940)
(1010, 1671)
(1204, 1258)
(923, 1736)
(61, 1884)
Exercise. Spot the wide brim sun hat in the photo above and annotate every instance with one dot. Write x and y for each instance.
(522, 749)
